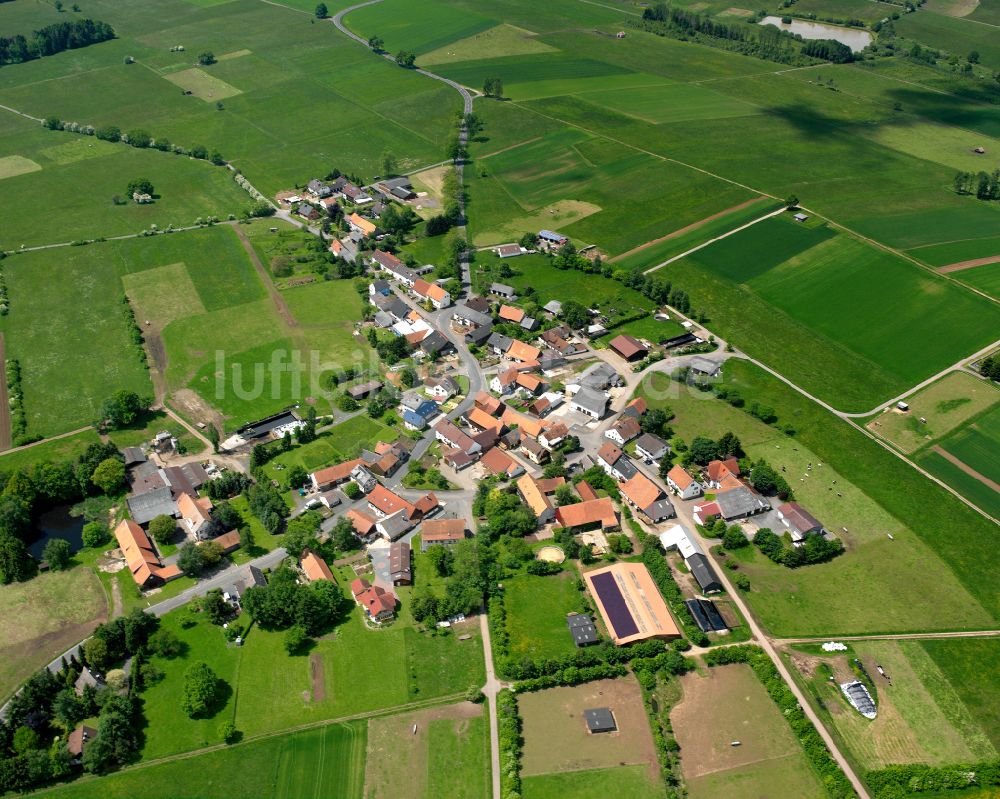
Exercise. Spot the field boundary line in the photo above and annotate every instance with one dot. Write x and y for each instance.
(725, 235)
(960, 464)
(42, 440)
(611, 8)
(5, 425)
(748, 763)
(312, 725)
(648, 152)
(509, 148)
(687, 228)
(961, 266)
(892, 636)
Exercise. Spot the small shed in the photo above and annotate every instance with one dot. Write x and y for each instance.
(600, 719)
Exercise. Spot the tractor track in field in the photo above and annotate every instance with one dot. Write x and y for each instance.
(972, 264)
(960, 464)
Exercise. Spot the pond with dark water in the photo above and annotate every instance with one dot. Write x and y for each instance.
(57, 523)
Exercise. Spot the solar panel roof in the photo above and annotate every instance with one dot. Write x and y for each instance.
(615, 605)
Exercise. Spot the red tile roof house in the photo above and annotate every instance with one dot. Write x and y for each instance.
(331, 476)
(583, 515)
(683, 484)
(364, 524)
(144, 564)
(646, 497)
(315, 568)
(379, 604)
(443, 532)
(629, 347)
(718, 471)
(499, 463)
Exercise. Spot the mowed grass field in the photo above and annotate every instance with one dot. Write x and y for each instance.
(935, 411)
(42, 618)
(524, 187)
(67, 331)
(922, 578)
(276, 65)
(328, 761)
(631, 781)
(212, 328)
(822, 295)
(186, 189)
(922, 716)
(429, 753)
(269, 691)
(537, 608)
(727, 704)
(960, 661)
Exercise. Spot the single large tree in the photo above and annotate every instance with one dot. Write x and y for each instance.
(109, 476)
(57, 553)
(321, 11)
(200, 688)
(162, 528)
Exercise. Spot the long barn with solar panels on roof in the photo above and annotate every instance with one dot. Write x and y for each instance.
(630, 603)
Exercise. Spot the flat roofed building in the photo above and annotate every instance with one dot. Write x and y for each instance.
(583, 629)
(706, 615)
(600, 719)
(630, 603)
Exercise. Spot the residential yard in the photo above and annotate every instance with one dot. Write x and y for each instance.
(650, 329)
(915, 590)
(42, 618)
(537, 608)
(327, 761)
(556, 739)
(443, 751)
(728, 704)
(340, 443)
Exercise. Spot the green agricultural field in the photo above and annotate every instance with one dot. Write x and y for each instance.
(63, 449)
(842, 10)
(878, 494)
(442, 751)
(961, 662)
(43, 618)
(282, 64)
(519, 189)
(984, 278)
(945, 405)
(536, 614)
(631, 781)
(969, 460)
(954, 35)
(671, 103)
(186, 189)
(403, 27)
(680, 241)
(820, 291)
(328, 761)
(958, 251)
(503, 40)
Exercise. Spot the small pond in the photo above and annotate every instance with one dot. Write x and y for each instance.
(855, 38)
(57, 523)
